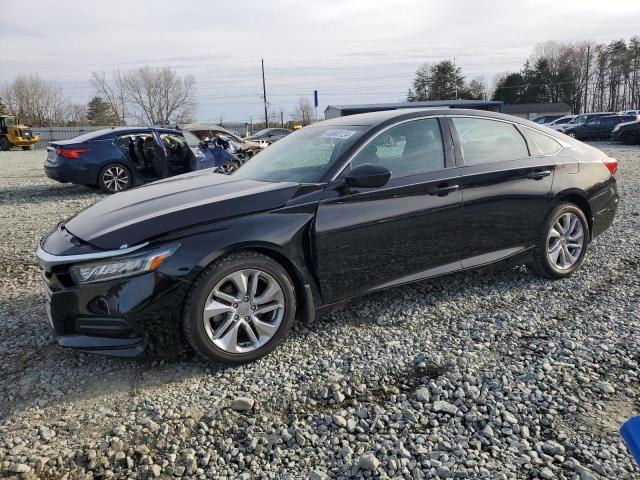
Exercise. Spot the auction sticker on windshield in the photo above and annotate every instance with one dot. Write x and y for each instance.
(341, 134)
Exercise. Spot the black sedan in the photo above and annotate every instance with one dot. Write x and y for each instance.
(600, 127)
(628, 132)
(333, 211)
(115, 159)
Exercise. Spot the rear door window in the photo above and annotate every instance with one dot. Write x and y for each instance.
(488, 141)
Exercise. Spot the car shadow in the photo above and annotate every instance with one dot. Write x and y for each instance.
(45, 192)
(37, 372)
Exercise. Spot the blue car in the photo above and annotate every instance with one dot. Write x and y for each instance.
(116, 159)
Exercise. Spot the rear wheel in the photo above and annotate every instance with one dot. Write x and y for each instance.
(629, 138)
(4, 144)
(114, 178)
(562, 243)
(240, 308)
(28, 147)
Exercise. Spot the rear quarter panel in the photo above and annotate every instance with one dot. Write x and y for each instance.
(581, 173)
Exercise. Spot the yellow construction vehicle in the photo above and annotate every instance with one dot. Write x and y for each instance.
(12, 134)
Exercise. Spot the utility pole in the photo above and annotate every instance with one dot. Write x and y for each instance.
(264, 96)
(281, 119)
(586, 79)
(454, 72)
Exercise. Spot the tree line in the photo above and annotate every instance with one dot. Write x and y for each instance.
(587, 76)
(147, 95)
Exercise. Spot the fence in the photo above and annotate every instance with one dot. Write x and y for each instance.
(52, 134)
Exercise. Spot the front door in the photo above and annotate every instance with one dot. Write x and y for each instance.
(506, 182)
(369, 238)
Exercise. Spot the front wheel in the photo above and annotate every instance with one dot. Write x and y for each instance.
(239, 309)
(562, 243)
(5, 145)
(114, 178)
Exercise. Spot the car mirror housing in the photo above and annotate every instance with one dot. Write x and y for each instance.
(368, 175)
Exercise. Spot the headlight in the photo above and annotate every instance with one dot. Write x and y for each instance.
(124, 266)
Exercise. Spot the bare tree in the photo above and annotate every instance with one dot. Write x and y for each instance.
(303, 112)
(158, 95)
(112, 91)
(36, 101)
(76, 114)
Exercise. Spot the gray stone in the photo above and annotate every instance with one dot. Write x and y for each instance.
(242, 404)
(368, 461)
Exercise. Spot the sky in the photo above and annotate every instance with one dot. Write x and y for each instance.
(350, 51)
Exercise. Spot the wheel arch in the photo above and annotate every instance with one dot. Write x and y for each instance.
(307, 293)
(579, 199)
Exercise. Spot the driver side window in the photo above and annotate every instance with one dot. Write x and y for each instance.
(410, 148)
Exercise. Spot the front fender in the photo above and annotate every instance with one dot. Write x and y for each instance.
(284, 235)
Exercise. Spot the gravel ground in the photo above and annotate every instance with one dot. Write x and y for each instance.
(496, 375)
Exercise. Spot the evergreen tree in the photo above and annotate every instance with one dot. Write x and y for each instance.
(99, 112)
(441, 81)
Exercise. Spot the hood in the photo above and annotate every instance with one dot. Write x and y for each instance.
(134, 216)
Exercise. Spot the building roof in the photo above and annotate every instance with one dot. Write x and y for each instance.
(431, 104)
(536, 107)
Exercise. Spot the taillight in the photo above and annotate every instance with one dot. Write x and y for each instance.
(611, 164)
(71, 152)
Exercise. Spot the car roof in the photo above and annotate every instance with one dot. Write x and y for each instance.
(371, 119)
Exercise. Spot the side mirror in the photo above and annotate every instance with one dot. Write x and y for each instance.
(368, 175)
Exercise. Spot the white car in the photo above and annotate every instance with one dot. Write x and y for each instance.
(561, 122)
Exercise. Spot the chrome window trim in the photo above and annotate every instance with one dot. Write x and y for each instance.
(354, 154)
(47, 258)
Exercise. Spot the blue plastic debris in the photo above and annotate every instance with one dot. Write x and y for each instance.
(630, 431)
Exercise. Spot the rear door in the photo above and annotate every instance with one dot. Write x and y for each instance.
(368, 238)
(506, 182)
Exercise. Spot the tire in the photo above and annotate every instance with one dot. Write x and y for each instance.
(5, 145)
(630, 138)
(27, 147)
(229, 167)
(556, 256)
(213, 338)
(114, 178)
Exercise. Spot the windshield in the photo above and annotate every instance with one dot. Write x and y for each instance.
(303, 156)
(579, 119)
(190, 138)
(261, 133)
(561, 120)
(10, 120)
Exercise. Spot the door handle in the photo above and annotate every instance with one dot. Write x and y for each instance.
(539, 174)
(443, 189)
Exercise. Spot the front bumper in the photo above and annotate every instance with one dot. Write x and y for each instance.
(129, 317)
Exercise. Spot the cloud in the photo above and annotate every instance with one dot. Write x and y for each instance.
(352, 52)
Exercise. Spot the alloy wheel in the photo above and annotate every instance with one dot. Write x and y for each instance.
(243, 311)
(115, 178)
(572, 135)
(228, 168)
(565, 241)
